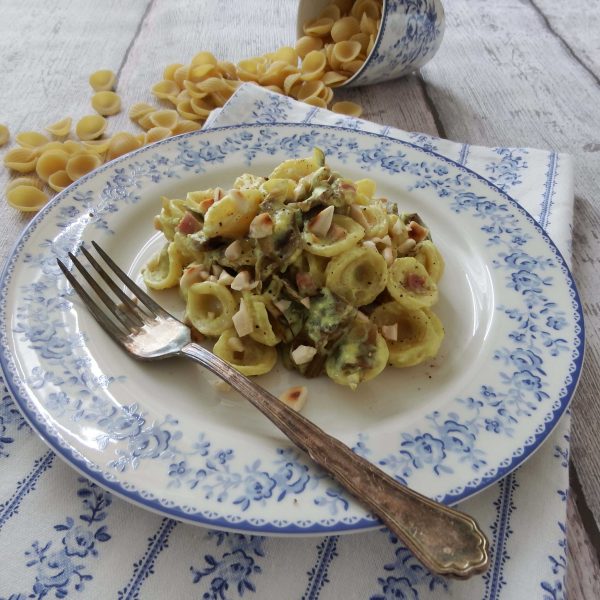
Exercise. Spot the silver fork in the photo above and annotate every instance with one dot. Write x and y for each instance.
(446, 541)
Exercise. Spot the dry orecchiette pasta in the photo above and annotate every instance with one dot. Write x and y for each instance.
(61, 128)
(333, 279)
(90, 127)
(106, 103)
(26, 198)
(4, 134)
(103, 80)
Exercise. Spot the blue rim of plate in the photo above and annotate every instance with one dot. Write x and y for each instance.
(70, 455)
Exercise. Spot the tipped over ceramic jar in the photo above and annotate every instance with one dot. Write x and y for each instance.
(396, 37)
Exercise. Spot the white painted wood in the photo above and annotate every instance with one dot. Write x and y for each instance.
(47, 52)
(502, 77)
(578, 25)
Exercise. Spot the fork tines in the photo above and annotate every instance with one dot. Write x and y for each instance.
(128, 313)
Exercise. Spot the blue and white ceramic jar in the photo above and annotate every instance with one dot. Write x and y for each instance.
(410, 33)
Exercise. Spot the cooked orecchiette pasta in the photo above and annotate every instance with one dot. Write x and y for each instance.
(248, 356)
(210, 307)
(305, 260)
(410, 284)
(358, 276)
(412, 335)
(164, 270)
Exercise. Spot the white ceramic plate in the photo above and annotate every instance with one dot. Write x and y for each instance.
(160, 434)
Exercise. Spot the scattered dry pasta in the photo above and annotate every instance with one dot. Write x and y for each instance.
(106, 103)
(26, 198)
(334, 47)
(103, 80)
(90, 127)
(60, 128)
(4, 134)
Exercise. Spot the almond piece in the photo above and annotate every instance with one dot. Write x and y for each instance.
(370, 244)
(390, 332)
(295, 397)
(282, 305)
(336, 233)
(399, 228)
(320, 224)
(234, 250)
(261, 226)
(388, 255)
(243, 281)
(225, 278)
(235, 344)
(303, 354)
(305, 302)
(242, 320)
(406, 246)
(417, 232)
(357, 213)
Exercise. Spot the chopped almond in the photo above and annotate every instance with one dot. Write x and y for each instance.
(406, 246)
(369, 244)
(390, 332)
(295, 397)
(388, 255)
(261, 226)
(399, 228)
(243, 281)
(242, 320)
(357, 213)
(225, 278)
(205, 204)
(234, 250)
(216, 270)
(320, 224)
(282, 305)
(305, 302)
(303, 354)
(417, 232)
(336, 233)
(235, 344)
(360, 316)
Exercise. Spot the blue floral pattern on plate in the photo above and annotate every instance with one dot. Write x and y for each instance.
(451, 452)
(410, 33)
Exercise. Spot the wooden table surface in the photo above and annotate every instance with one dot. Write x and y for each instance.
(509, 73)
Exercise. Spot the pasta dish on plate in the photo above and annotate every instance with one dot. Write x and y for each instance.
(306, 261)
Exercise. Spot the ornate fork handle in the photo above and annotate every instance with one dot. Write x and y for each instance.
(445, 540)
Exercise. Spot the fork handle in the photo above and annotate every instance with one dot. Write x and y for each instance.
(445, 540)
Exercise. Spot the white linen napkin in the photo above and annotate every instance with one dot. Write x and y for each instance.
(61, 536)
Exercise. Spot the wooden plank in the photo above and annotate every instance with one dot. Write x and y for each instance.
(577, 23)
(48, 51)
(502, 77)
(583, 571)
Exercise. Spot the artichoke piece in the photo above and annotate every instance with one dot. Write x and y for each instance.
(361, 355)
